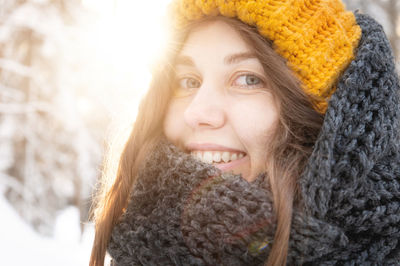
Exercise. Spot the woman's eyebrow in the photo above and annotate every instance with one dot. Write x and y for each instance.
(238, 57)
(228, 60)
(184, 60)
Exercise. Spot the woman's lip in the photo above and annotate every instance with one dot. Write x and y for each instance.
(209, 147)
(231, 164)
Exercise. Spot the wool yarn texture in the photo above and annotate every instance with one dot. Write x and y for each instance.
(185, 212)
(316, 37)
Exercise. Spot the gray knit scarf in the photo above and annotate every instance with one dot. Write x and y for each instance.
(185, 212)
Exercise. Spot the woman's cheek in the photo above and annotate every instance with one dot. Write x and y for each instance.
(254, 122)
(173, 123)
(257, 115)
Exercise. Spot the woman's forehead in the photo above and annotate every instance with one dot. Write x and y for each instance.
(229, 59)
(216, 37)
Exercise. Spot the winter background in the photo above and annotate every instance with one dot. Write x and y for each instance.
(72, 73)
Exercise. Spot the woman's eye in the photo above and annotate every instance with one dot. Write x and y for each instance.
(248, 80)
(185, 86)
(189, 83)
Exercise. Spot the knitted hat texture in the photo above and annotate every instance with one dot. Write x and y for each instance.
(316, 37)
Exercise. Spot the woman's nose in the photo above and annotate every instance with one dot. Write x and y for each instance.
(206, 110)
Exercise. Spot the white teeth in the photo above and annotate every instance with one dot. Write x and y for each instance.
(216, 156)
(208, 157)
(225, 156)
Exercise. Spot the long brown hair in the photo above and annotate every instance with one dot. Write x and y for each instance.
(293, 139)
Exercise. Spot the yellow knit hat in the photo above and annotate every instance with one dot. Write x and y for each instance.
(317, 37)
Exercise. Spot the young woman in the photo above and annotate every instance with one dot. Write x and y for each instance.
(270, 135)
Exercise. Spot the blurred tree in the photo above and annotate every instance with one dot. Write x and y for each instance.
(49, 157)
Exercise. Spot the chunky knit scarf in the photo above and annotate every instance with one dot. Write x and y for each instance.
(185, 212)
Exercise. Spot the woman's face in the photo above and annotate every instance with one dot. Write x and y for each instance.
(222, 110)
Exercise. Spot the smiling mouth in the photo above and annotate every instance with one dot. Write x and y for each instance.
(217, 157)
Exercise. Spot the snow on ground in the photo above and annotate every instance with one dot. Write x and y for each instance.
(21, 245)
